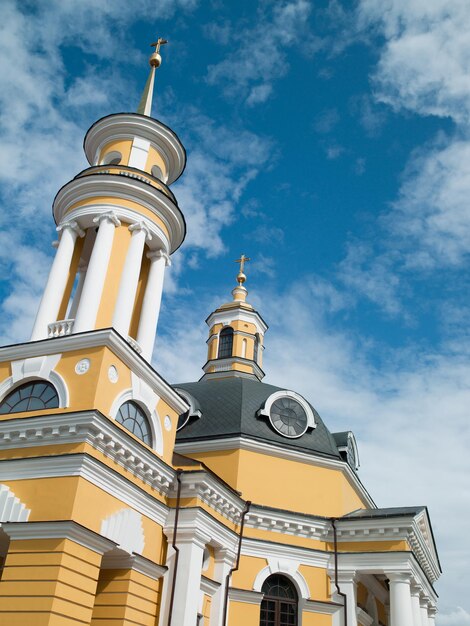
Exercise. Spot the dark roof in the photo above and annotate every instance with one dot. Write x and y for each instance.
(341, 439)
(401, 511)
(229, 407)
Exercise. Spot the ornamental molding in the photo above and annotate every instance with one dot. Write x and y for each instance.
(92, 428)
(197, 526)
(288, 523)
(205, 487)
(245, 595)
(225, 365)
(73, 226)
(253, 445)
(126, 530)
(131, 125)
(363, 618)
(413, 529)
(287, 567)
(320, 606)
(91, 470)
(108, 338)
(227, 316)
(59, 530)
(265, 410)
(209, 586)
(11, 507)
(269, 549)
(122, 188)
(136, 562)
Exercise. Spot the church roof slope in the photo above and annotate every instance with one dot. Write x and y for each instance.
(229, 408)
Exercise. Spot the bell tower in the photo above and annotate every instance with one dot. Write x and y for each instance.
(236, 335)
(118, 224)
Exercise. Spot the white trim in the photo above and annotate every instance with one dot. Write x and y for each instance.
(195, 525)
(96, 430)
(286, 567)
(11, 507)
(363, 618)
(318, 606)
(352, 438)
(310, 458)
(59, 530)
(227, 316)
(118, 560)
(209, 586)
(193, 412)
(265, 549)
(245, 595)
(91, 470)
(266, 410)
(289, 523)
(126, 530)
(108, 338)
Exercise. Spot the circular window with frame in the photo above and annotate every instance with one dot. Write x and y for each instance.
(288, 417)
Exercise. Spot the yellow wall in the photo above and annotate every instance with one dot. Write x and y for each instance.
(122, 145)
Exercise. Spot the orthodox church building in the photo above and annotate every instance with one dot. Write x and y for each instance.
(125, 500)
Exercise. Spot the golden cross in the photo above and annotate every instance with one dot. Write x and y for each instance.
(242, 260)
(160, 42)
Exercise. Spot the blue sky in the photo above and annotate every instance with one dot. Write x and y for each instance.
(329, 141)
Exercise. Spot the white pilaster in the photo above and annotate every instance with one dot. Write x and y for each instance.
(424, 611)
(401, 613)
(96, 273)
(57, 281)
(188, 581)
(415, 592)
(224, 560)
(130, 278)
(151, 303)
(432, 615)
(348, 585)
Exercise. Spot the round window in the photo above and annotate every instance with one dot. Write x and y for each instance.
(288, 417)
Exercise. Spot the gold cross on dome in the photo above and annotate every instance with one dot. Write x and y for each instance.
(242, 260)
(160, 42)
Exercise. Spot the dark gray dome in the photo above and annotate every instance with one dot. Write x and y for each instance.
(229, 408)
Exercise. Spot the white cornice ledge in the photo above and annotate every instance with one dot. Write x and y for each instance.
(99, 432)
(59, 530)
(319, 606)
(136, 562)
(109, 338)
(245, 595)
(288, 523)
(209, 586)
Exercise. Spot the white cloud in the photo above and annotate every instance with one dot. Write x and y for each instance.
(459, 617)
(258, 55)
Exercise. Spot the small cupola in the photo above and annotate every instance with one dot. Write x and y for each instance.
(236, 335)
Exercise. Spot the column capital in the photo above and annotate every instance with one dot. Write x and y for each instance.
(432, 610)
(154, 255)
(224, 555)
(424, 601)
(344, 576)
(416, 590)
(109, 216)
(71, 225)
(399, 577)
(141, 226)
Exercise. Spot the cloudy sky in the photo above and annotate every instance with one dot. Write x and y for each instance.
(330, 142)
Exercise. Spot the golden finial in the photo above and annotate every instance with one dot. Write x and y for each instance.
(155, 59)
(241, 278)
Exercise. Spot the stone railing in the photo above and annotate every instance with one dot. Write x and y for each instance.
(60, 328)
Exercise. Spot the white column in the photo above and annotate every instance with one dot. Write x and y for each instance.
(224, 560)
(424, 611)
(348, 585)
(130, 278)
(96, 273)
(78, 292)
(151, 303)
(188, 581)
(401, 613)
(57, 281)
(415, 605)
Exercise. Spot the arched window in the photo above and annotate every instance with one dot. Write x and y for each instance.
(280, 602)
(133, 418)
(33, 396)
(256, 348)
(225, 342)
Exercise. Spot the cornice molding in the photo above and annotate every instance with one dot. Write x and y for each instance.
(195, 525)
(91, 470)
(245, 595)
(269, 549)
(225, 316)
(288, 523)
(209, 586)
(119, 187)
(243, 443)
(59, 530)
(320, 606)
(108, 338)
(135, 562)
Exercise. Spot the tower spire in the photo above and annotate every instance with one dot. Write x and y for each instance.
(239, 293)
(145, 105)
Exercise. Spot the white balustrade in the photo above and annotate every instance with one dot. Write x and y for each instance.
(60, 328)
